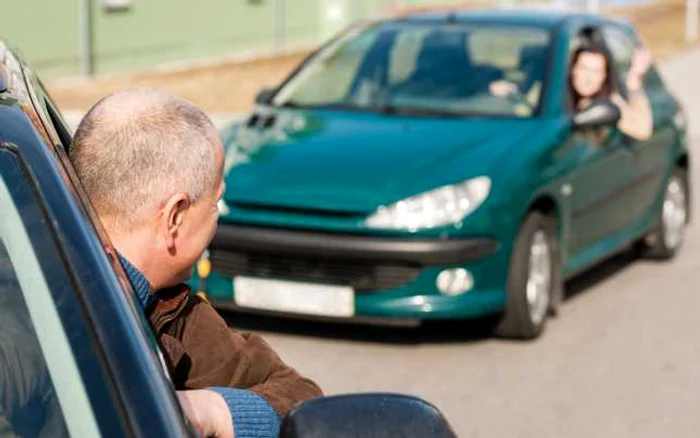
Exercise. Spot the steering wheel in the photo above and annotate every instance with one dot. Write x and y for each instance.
(510, 103)
(517, 97)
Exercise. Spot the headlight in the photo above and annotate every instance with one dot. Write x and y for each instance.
(442, 206)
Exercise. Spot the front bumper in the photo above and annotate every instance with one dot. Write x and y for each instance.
(393, 278)
(426, 252)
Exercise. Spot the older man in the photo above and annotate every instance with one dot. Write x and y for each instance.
(152, 166)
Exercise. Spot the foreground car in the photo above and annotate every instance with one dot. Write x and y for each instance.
(76, 357)
(381, 182)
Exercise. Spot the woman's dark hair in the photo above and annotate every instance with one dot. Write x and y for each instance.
(608, 85)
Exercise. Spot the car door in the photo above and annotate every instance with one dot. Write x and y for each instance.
(601, 188)
(651, 156)
(77, 359)
(51, 383)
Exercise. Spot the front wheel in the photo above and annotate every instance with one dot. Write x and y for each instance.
(668, 235)
(534, 279)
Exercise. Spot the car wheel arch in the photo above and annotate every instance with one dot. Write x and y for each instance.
(683, 162)
(547, 205)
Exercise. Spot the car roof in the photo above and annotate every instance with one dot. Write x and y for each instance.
(13, 89)
(535, 16)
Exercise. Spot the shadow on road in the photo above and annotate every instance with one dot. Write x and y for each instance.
(431, 331)
(598, 274)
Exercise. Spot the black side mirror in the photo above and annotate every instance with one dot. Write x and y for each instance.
(602, 113)
(367, 416)
(264, 96)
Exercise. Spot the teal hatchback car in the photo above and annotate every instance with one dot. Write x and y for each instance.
(384, 180)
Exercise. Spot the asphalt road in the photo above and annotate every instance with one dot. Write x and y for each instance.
(621, 360)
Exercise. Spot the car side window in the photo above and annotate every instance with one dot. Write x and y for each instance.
(28, 402)
(622, 48)
(42, 393)
(581, 38)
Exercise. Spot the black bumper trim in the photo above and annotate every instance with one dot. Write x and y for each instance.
(427, 252)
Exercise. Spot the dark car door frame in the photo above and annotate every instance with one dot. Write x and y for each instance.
(115, 335)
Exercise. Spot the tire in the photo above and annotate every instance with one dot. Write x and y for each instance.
(525, 318)
(666, 239)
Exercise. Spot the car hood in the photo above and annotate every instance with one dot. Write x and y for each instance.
(354, 162)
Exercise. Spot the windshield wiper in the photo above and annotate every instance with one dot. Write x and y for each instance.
(385, 109)
(414, 111)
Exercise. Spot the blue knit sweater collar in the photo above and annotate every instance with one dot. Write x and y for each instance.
(140, 284)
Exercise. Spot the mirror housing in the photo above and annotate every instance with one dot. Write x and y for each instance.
(600, 113)
(366, 415)
(264, 96)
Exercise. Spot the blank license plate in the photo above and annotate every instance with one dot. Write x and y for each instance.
(294, 297)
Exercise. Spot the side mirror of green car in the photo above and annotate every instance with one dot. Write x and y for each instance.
(602, 113)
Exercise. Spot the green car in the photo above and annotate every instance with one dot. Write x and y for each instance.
(386, 180)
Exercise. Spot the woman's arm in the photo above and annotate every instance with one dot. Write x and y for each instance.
(637, 119)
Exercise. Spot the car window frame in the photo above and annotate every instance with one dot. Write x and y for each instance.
(609, 28)
(92, 261)
(596, 31)
(56, 273)
(575, 41)
(653, 81)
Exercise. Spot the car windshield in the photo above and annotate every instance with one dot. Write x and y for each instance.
(446, 69)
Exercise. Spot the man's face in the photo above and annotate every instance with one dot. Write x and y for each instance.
(199, 223)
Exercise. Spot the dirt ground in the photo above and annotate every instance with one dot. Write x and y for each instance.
(231, 87)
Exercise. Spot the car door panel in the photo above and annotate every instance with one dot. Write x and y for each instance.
(600, 189)
(651, 155)
(655, 153)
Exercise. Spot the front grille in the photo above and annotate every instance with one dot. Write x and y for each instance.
(361, 276)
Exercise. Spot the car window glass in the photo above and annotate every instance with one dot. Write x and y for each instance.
(621, 48)
(404, 55)
(63, 132)
(333, 71)
(426, 69)
(28, 402)
(41, 391)
(579, 40)
(51, 119)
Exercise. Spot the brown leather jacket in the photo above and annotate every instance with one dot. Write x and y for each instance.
(202, 351)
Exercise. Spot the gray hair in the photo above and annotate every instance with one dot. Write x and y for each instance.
(137, 147)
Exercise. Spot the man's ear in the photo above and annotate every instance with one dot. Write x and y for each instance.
(173, 216)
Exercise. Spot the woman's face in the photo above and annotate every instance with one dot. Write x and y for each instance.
(588, 73)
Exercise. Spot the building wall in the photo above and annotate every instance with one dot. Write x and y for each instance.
(152, 33)
(46, 32)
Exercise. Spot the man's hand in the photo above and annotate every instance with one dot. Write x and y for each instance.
(207, 412)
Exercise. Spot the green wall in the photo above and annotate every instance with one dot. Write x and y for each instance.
(153, 33)
(45, 31)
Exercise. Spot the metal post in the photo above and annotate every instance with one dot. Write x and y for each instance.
(692, 11)
(278, 21)
(85, 37)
